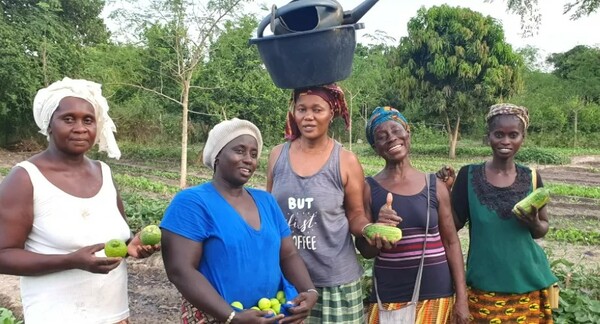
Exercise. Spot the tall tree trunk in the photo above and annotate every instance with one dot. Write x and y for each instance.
(184, 132)
(45, 62)
(575, 128)
(454, 139)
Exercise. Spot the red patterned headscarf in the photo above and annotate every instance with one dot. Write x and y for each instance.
(332, 94)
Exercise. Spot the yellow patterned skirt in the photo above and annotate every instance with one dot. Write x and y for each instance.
(497, 308)
(430, 311)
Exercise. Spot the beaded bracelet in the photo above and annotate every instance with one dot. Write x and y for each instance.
(230, 318)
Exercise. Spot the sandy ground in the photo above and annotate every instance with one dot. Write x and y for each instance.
(153, 299)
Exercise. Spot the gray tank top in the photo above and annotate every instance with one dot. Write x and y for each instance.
(314, 209)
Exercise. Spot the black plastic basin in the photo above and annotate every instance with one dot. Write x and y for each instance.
(309, 58)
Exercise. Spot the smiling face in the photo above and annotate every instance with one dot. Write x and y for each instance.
(392, 141)
(506, 134)
(72, 127)
(313, 115)
(237, 160)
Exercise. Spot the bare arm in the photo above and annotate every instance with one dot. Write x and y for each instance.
(453, 251)
(181, 257)
(16, 222)
(366, 250)
(275, 152)
(537, 221)
(294, 269)
(354, 182)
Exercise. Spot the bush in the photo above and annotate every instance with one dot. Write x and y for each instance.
(579, 295)
(7, 317)
(539, 156)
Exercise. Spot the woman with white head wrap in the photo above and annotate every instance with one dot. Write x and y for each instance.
(57, 210)
(46, 102)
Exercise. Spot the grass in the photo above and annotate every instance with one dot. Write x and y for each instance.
(573, 190)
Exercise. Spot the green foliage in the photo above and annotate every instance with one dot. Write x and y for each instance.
(145, 184)
(453, 64)
(40, 42)
(237, 84)
(7, 317)
(539, 156)
(581, 67)
(579, 295)
(574, 235)
(573, 190)
(142, 210)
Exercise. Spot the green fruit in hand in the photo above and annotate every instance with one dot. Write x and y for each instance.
(115, 248)
(264, 304)
(237, 304)
(391, 233)
(274, 301)
(281, 297)
(276, 308)
(255, 308)
(150, 235)
(538, 198)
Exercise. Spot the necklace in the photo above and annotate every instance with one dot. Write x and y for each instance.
(317, 151)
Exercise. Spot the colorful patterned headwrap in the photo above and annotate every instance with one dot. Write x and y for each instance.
(379, 116)
(509, 109)
(331, 93)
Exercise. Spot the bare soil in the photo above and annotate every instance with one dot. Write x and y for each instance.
(154, 300)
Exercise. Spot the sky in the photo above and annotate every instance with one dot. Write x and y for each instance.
(556, 32)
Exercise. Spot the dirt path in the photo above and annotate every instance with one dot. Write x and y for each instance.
(154, 300)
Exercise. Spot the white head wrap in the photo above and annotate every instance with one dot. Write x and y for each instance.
(223, 133)
(46, 101)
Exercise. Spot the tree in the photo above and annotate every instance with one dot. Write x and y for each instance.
(241, 86)
(190, 27)
(580, 67)
(40, 42)
(366, 88)
(530, 15)
(453, 64)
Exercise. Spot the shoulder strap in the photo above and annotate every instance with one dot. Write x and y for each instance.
(534, 178)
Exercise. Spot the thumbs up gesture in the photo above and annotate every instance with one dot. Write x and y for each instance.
(387, 215)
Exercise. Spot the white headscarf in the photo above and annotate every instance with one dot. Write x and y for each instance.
(46, 101)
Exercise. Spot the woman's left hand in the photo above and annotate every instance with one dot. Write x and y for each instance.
(136, 249)
(531, 219)
(304, 302)
(460, 313)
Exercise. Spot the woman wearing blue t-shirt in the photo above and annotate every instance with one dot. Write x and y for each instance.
(223, 242)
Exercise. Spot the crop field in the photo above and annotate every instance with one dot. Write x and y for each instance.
(148, 178)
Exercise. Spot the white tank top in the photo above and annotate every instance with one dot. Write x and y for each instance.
(63, 224)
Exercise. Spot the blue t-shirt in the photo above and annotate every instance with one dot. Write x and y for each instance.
(240, 262)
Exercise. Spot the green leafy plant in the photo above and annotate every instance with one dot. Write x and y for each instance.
(573, 190)
(579, 295)
(141, 210)
(574, 235)
(7, 317)
(540, 156)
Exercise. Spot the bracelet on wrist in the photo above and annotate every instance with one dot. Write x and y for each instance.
(313, 290)
(230, 318)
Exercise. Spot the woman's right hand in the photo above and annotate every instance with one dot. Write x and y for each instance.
(86, 259)
(387, 215)
(447, 175)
